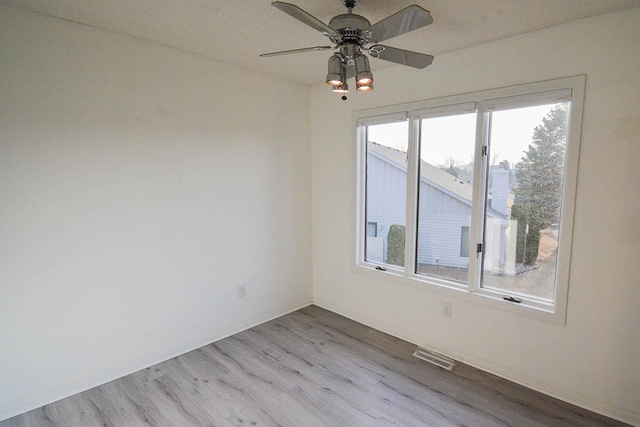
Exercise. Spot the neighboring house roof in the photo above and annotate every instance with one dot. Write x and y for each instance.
(429, 174)
(434, 175)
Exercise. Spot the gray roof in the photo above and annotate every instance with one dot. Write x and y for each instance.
(430, 174)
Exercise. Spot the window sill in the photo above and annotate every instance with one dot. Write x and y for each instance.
(495, 300)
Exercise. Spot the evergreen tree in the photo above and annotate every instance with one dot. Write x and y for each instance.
(539, 176)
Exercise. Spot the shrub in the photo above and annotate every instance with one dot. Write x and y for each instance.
(395, 245)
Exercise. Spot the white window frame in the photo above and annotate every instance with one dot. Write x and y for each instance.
(483, 102)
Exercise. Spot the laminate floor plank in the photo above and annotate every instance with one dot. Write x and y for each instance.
(246, 400)
(310, 368)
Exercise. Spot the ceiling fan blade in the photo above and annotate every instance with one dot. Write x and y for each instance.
(401, 56)
(304, 17)
(304, 49)
(408, 19)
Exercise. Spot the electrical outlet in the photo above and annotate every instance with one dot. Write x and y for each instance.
(446, 309)
(242, 291)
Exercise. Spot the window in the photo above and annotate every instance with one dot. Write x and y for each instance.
(475, 193)
(372, 229)
(525, 189)
(386, 183)
(445, 190)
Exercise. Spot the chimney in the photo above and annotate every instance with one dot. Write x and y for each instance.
(499, 190)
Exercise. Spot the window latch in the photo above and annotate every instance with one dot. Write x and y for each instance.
(512, 299)
(380, 268)
(479, 248)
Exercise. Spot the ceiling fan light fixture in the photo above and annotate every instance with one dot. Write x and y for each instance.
(363, 70)
(334, 74)
(365, 87)
(343, 88)
(334, 81)
(365, 79)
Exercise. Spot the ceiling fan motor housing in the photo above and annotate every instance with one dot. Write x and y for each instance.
(350, 29)
(349, 21)
(350, 35)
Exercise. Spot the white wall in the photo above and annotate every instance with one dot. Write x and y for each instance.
(139, 186)
(593, 361)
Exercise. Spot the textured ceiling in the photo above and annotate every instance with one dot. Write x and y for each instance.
(237, 31)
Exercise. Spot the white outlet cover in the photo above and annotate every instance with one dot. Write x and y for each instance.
(446, 309)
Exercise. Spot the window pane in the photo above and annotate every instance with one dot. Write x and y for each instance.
(527, 150)
(445, 196)
(386, 198)
(372, 229)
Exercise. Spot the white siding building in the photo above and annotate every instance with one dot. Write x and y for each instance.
(444, 211)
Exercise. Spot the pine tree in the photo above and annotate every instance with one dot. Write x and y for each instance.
(539, 176)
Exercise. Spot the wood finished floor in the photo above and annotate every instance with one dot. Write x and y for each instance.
(308, 368)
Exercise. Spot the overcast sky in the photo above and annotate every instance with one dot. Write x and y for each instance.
(453, 136)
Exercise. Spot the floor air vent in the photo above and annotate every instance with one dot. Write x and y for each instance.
(435, 358)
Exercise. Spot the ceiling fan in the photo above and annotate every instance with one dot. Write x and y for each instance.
(353, 35)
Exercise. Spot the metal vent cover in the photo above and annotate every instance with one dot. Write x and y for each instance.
(434, 358)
